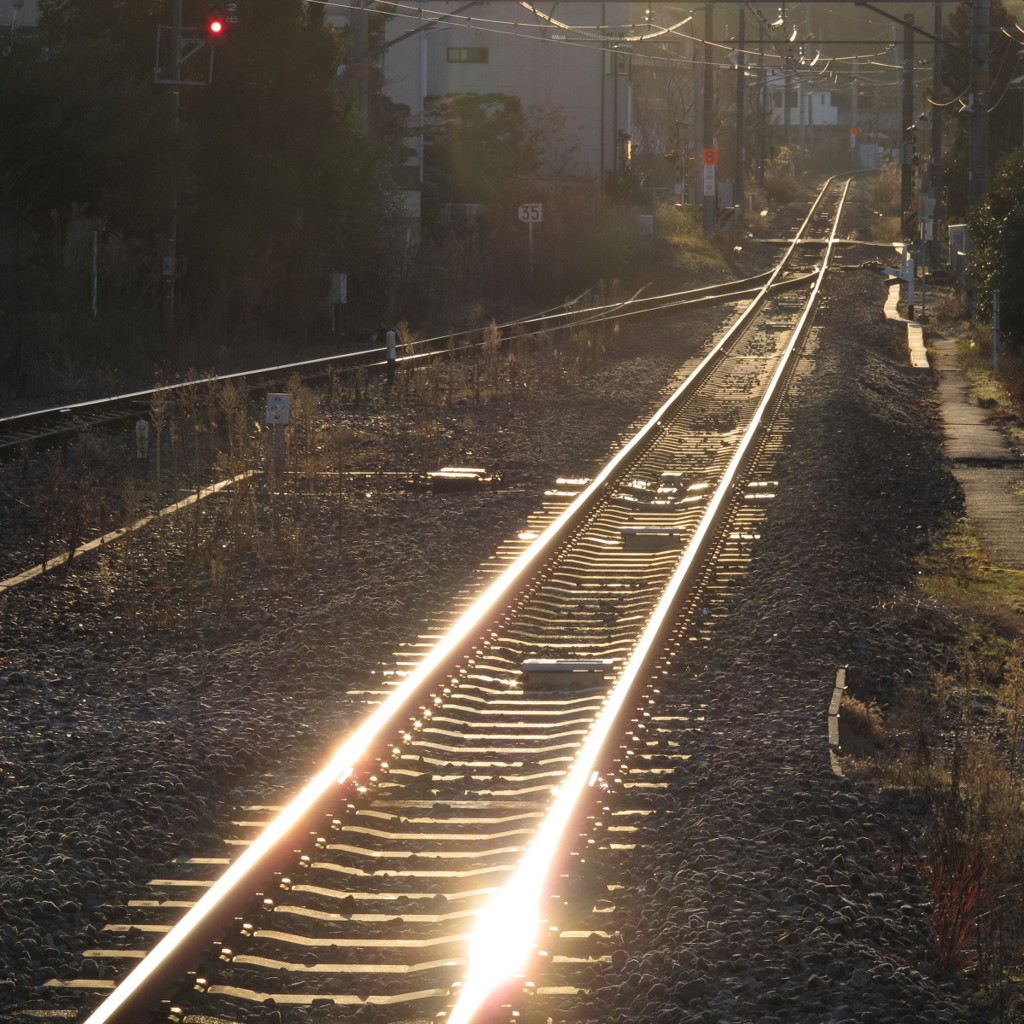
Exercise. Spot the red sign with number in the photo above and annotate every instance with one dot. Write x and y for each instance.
(709, 157)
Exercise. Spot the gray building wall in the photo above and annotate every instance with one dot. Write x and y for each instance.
(21, 14)
(544, 65)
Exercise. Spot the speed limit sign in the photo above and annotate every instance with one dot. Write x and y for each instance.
(531, 213)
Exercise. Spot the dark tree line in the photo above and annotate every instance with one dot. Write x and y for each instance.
(996, 259)
(1004, 102)
(268, 169)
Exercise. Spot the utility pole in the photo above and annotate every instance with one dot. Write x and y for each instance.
(764, 110)
(786, 90)
(907, 120)
(977, 173)
(602, 161)
(741, 74)
(708, 119)
(170, 258)
(359, 27)
(801, 117)
(854, 127)
(935, 178)
(172, 55)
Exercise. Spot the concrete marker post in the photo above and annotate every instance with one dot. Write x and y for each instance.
(997, 331)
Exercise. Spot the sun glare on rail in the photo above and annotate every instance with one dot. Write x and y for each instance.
(499, 949)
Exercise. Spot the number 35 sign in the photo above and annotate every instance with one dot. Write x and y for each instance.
(531, 213)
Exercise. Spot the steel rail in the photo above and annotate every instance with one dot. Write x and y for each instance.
(180, 948)
(506, 934)
(54, 423)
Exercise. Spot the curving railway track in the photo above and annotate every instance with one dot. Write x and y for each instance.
(421, 871)
(39, 429)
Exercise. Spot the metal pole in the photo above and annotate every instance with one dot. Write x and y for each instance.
(786, 86)
(709, 110)
(95, 270)
(359, 28)
(764, 110)
(601, 155)
(854, 127)
(936, 169)
(741, 75)
(977, 177)
(801, 119)
(907, 121)
(170, 260)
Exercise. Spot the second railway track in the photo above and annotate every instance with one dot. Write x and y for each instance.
(429, 825)
(25, 433)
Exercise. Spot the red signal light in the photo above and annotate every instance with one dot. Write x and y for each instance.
(218, 18)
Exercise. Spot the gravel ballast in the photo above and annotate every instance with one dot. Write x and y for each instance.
(763, 889)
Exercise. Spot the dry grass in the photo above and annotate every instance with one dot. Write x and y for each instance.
(214, 431)
(780, 182)
(861, 727)
(954, 742)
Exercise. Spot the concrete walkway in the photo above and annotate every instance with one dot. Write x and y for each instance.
(989, 469)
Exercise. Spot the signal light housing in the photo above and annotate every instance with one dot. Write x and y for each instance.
(218, 19)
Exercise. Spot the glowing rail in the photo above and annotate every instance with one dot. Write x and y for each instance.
(505, 934)
(208, 918)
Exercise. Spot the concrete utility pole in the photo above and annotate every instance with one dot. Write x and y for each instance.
(169, 268)
(359, 27)
(602, 162)
(741, 75)
(854, 127)
(172, 55)
(935, 178)
(708, 120)
(977, 173)
(764, 109)
(907, 119)
(801, 115)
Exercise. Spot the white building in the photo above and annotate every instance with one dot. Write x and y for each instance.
(556, 58)
(808, 106)
(18, 15)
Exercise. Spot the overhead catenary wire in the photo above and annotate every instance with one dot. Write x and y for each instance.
(588, 36)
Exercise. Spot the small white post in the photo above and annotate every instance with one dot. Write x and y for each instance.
(996, 331)
(95, 271)
(911, 272)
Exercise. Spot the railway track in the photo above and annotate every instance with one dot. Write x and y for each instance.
(414, 872)
(45, 428)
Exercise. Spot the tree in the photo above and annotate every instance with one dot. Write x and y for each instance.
(268, 168)
(81, 127)
(477, 143)
(1005, 100)
(284, 187)
(997, 261)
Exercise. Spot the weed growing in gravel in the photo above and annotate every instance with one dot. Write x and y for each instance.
(863, 729)
(780, 183)
(954, 744)
(949, 306)
(208, 431)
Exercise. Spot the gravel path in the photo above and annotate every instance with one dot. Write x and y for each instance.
(131, 731)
